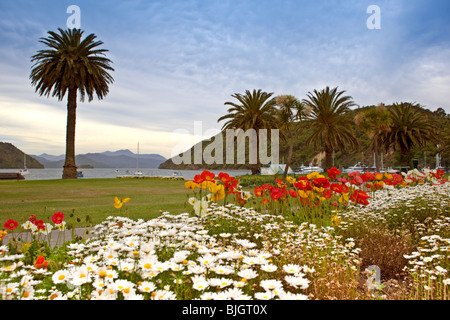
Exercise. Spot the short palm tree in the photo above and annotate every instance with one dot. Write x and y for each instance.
(374, 122)
(71, 64)
(254, 110)
(330, 122)
(410, 126)
(290, 114)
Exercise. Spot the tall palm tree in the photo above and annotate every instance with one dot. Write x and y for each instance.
(290, 114)
(410, 126)
(254, 110)
(70, 64)
(374, 122)
(330, 122)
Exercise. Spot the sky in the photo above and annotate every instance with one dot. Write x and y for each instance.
(177, 63)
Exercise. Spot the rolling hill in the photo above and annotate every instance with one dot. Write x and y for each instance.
(107, 159)
(13, 158)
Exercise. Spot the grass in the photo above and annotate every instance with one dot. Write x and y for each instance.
(90, 197)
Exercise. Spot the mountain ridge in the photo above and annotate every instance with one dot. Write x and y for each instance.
(107, 159)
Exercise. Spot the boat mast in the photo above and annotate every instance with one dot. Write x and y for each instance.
(137, 159)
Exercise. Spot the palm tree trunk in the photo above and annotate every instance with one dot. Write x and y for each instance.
(256, 168)
(288, 162)
(328, 158)
(70, 168)
(377, 156)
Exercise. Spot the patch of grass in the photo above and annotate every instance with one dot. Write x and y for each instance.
(90, 197)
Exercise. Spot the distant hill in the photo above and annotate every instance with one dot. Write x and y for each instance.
(107, 159)
(13, 158)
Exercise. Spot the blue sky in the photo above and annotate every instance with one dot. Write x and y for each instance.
(178, 62)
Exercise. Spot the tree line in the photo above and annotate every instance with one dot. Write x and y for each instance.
(332, 121)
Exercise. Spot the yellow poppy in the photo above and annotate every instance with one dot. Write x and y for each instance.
(290, 180)
(305, 194)
(191, 185)
(314, 175)
(218, 191)
(343, 198)
(118, 203)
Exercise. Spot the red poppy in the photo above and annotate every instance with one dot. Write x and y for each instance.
(302, 184)
(40, 262)
(58, 217)
(336, 187)
(321, 182)
(367, 176)
(224, 177)
(293, 193)
(326, 193)
(344, 188)
(276, 193)
(333, 172)
(198, 179)
(208, 175)
(360, 197)
(32, 218)
(40, 224)
(231, 185)
(204, 176)
(259, 192)
(10, 224)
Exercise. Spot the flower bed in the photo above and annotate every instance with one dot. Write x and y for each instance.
(236, 245)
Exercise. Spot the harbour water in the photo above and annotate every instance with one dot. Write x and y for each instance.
(110, 173)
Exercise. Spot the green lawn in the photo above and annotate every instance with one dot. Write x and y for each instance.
(90, 197)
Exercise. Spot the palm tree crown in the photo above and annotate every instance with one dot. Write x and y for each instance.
(329, 121)
(70, 64)
(374, 122)
(291, 112)
(410, 127)
(255, 110)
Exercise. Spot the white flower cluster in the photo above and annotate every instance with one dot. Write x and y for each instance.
(178, 257)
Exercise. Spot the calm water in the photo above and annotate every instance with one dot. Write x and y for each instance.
(50, 173)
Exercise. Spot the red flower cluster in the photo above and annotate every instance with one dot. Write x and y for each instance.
(360, 197)
(230, 183)
(38, 223)
(40, 262)
(333, 172)
(204, 176)
(313, 189)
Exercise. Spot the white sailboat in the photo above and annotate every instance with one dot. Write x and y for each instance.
(25, 170)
